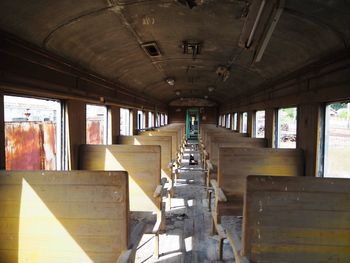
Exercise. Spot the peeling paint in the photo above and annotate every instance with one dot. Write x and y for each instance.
(30, 145)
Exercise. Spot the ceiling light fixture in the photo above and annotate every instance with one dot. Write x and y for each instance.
(211, 89)
(177, 93)
(170, 81)
(206, 96)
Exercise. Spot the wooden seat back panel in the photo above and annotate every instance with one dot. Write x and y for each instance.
(163, 141)
(57, 216)
(232, 141)
(297, 219)
(141, 162)
(174, 139)
(235, 164)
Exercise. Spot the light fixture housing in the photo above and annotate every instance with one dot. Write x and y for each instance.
(170, 81)
(177, 93)
(211, 88)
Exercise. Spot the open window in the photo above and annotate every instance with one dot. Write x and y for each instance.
(162, 120)
(96, 124)
(337, 140)
(125, 124)
(33, 133)
(244, 122)
(228, 121)
(260, 124)
(234, 120)
(287, 127)
(140, 120)
(150, 119)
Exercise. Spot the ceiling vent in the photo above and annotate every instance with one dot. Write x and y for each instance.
(192, 47)
(152, 49)
(191, 3)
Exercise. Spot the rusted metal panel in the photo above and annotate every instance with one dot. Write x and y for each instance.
(94, 132)
(30, 145)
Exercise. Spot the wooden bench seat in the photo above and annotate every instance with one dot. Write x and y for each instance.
(175, 144)
(143, 166)
(59, 216)
(235, 164)
(224, 141)
(293, 219)
(165, 143)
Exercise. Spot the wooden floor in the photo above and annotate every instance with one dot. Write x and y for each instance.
(188, 223)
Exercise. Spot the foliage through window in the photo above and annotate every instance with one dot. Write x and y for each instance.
(260, 124)
(287, 128)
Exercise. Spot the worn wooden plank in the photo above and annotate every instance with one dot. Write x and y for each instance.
(235, 164)
(66, 222)
(297, 219)
(163, 141)
(224, 141)
(142, 164)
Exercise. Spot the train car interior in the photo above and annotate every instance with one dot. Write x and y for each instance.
(175, 131)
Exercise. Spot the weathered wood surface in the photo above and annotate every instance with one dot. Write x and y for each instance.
(232, 226)
(174, 139)
(165, 145)
(297, 219)
(235, 164)
(142, 164)
(224, 141)
(76, 216)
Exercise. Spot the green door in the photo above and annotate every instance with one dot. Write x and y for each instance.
(192, 124)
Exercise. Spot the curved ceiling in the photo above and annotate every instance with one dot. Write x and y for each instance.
(105, 37)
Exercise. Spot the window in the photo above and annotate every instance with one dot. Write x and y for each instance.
(228, 121)
(287, 128)
(158, 120)
(125, 122)
(220, 119)
(244, 122)
(234, 126)
(96, 124)
(161, 119)
(260, 124)
(223, 120)
(140, 120)
(150, 119)
(337, 140)
(166, 119)
(33, 133)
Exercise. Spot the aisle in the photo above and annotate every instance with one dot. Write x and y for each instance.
(188, 223)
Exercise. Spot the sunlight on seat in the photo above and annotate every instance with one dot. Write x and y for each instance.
(42, 238)
(137, 195)
(136, 142)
